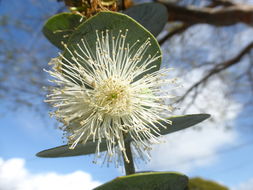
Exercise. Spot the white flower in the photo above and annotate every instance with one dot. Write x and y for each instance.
(104, 95)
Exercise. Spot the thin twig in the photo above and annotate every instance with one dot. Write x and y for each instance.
(218, 68)
(225, 3)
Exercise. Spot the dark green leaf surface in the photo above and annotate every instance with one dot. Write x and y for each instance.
(147, 181)
(153, 16)
(178, 123)
(64, 151)
(58, 28)
(182, 122)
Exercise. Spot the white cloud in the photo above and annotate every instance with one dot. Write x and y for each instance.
(189, 149)
(244, 186)
(14, 176)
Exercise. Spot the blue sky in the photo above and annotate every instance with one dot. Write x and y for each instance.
(24, 132)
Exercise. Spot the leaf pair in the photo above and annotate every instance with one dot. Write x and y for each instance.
(178, 123)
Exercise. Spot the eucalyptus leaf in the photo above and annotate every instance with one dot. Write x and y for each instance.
(59, 27)
(178, 123)
(147, 181)
(64, 151)
(116, 24)
(182, 122)
(153, 16)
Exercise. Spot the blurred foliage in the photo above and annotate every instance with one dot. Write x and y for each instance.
(202, 184)
(147, 181)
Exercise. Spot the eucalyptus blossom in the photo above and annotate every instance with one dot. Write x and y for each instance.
(111, 94)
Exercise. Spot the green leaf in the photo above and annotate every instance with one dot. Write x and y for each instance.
(178, 123)
(153, 16)
(147, 181)
(114, 22)
(80, 149)
(58, 28)
(182, 122)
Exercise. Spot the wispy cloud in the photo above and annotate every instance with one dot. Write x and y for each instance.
(247, 185)
(189, 149)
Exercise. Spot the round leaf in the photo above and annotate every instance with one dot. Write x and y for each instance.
(153, 16)
(115, 23)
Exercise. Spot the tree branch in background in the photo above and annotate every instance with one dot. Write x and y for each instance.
(225, 3)
(217, 69)
(230, 15)
(176, 30)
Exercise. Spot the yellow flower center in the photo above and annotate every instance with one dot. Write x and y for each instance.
(113, 96)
